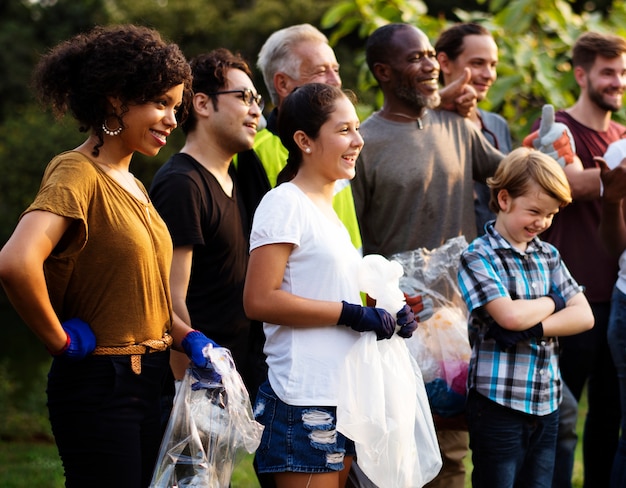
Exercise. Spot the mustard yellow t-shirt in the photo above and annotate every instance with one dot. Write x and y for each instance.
(111, 269)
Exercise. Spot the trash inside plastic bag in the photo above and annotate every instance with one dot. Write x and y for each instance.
(210, 428)
(440, 345)
(382, 403)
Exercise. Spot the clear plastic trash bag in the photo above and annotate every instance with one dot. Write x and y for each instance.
(210, 428)
(382, 403)
(440, 345)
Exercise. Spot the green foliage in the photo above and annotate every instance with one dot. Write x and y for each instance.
(23, 413)
(534, 40)
(28, 140)
(28, 465)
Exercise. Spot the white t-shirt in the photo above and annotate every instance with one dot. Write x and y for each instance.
(304, 362)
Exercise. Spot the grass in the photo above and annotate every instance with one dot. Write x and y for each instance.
(29, 465)
(36, 464)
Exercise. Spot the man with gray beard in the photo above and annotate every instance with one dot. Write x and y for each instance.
(414, 178)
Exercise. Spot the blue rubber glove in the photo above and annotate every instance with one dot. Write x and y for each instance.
(194, 344)
(80, 343)
(406, 321)
(364, 319)
(508, 338)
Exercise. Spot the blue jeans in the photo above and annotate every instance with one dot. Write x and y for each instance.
(616, 335)
(106, 419)
(298, 439)
(510, 448)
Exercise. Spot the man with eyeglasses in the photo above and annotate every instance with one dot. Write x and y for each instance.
(197, 194)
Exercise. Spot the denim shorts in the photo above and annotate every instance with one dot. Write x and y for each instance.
(298, 439)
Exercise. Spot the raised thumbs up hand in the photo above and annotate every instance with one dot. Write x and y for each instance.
(459, 96)
(552, 138)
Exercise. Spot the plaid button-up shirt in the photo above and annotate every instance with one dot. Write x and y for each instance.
(526, 376)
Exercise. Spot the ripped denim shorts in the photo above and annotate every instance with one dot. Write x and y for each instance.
(298, 439)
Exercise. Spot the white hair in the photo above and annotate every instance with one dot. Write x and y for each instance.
(277, 54)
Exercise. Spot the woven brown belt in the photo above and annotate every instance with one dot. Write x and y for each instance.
(135, 351)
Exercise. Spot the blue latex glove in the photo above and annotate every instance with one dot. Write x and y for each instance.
(81, 340)
(194, 344)
(406, 321)
(508, 338)
(552, 138)
(364, 319)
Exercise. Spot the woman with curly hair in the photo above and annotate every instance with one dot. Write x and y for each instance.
(87, 267)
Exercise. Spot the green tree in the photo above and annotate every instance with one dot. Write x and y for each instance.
(534, 39)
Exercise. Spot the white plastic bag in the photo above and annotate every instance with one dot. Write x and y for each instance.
(384, 409)
(210, 428)
(383, 405)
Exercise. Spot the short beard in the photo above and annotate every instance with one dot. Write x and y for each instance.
(596, 97)
(416, 100)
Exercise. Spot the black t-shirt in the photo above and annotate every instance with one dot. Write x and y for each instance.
(198, 213)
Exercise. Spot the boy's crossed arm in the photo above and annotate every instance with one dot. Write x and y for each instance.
(550, 315)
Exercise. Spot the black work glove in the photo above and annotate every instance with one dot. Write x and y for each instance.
(559, 301)
(364, 319)
(406, 321)
(507, 338)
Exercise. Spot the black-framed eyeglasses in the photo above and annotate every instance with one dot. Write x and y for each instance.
(247, 95)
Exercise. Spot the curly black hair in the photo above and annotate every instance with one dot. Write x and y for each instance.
(129, 62)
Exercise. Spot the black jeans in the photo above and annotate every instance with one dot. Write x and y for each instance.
(106, 419)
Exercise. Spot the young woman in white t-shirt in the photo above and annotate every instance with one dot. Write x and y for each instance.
(302, 282)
